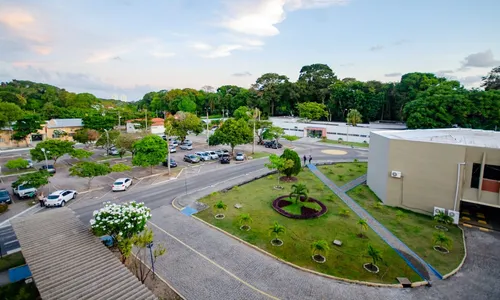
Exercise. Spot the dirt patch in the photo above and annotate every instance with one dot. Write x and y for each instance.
(421, 268)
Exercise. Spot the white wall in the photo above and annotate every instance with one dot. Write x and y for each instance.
(378, 165)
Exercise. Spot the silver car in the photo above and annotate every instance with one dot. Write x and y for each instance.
(212, 155)
(186, 147)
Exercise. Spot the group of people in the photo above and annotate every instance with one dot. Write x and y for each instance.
(305, 159)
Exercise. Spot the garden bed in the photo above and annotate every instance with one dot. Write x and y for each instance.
(415, 230)
(346, 261)
(304, 210)
(342, 173)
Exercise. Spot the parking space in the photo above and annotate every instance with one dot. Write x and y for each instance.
(480, 216)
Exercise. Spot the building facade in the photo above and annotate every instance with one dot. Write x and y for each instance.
(423, 169)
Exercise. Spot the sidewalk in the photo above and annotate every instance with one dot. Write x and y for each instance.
(411, 258)
(350, 185)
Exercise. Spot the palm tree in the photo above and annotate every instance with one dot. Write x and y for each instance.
(220, 207)
(245, 220)
(354, 117)
(320, 248)
(276, 229)
(374, 253)
(364, 226)
(442, 217)
(442, 240)
(299, 190)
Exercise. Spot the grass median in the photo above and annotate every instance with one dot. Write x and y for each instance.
(345, 261)
(343, 143)
(343, 173)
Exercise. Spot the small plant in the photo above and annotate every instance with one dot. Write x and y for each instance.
(442, 217)
(319, 250)
(378, 205)
(340, 177)
(351, 170)
(400, 215)
(323, 138)
(340, 140)
(339, 166)
(276, 230)
(270, 177)
(299, 190)
(442, 240)
(331, 198)
(376, 257)
(245, 220)
(219, 207)
(356, 160)
(213, 195)
(363, 224)
(345, 213)
(319, 187)
(235, 188)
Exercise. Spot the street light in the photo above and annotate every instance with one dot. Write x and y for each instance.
(150, 247)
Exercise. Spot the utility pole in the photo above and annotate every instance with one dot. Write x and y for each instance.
(119, 120)
(146, 113)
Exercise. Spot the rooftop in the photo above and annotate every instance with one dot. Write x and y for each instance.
(68, 262)
(457, 136)
(59, 123)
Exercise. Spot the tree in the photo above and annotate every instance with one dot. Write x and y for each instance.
(35, 179)
(90, 170)
(276, 230)
(363, 224)
(121, 222)
(245, 220)
(242, 112)
(99, 122)
(279, 164)
(141, 241)
(219, 207)
(314, 81)
(18, 163)
(183, 123)
(86, 136)
(353, 117)
(270, 88)
(149, 151)
(80, 153)
(294, 169)
(9, 113)
(492, 80)
(320, 247)
(233, 133)
(125, 142)
(108, 138)
(442, 240)
(54, 149)
(25, 126)
(312, 110)
(375, 255)
(299, 190)
(273, 132)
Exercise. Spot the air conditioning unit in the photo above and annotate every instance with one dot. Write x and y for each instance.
(438, 210)
(395, 174)
(455, 215)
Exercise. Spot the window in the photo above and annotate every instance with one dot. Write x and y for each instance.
(476, 172)
(491, 172)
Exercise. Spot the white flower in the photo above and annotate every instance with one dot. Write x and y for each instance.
(120, 233)
(95, 212)
(92, 221)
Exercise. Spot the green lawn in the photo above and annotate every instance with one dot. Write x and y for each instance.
(19, 290)
(258, 155)
(346, 261)
(354, 144)
(343, 173)
(12, 260)
(415, 230)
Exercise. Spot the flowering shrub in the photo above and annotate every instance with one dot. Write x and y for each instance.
(121, 221)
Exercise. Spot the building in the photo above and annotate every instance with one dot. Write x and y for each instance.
(333, 130)
(156, 126)
(423, 169)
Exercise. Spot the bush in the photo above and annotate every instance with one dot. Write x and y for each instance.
(3, 207)
(297, 164)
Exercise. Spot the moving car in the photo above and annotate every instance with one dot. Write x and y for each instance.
(23, 191)
(173, 164)
(225, 158)
(59, 198)
(186, 147)
(240, 156)
(213, 155)
(49, 168)
(191, 158)
(121, 184)
(5, 196)
(203, 156)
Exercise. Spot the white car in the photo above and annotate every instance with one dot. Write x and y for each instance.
(240, 156)
(213, 155)
(59, 198)
(121, 184)
(203, 156)
(173, 149)
(186, 147)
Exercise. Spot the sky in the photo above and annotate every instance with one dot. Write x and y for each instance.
(122, 49)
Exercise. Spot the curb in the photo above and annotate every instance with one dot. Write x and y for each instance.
(17, 174)
(366, 283)
(463, 260)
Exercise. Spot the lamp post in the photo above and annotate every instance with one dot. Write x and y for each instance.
(150, 247)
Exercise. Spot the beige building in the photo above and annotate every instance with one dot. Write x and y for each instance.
(423, 169)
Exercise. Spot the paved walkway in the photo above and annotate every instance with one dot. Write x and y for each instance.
(413, 260)
(350, 185)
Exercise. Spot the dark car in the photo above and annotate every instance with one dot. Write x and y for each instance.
(5, 196)
(49, 168)
(173, 164)
(225, 158)
(272, 144)
(191, 158)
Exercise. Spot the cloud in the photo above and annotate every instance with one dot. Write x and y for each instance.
(393, 75)
(201, 46)
(223, 51)
(471, 80)
(376, 48)
(309, 4)
(242, 74)
(480, 60)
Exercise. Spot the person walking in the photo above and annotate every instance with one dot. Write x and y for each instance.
(310, 159)
(41, 199)
(305, 160)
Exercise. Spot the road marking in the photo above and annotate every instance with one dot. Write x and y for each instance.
(13, 251)
(213, 262)
(484, 229)
(11, 242)
(465, 218)
(482, 222)
(467, 225)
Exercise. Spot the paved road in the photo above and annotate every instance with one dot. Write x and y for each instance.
(8, 240)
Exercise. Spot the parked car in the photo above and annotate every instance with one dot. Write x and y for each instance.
(173, 164)
(59, 198)
(191, 158)
(24, 191)
(240, 156)
(213, 155)
(203, 156)
(173, 149)
(121, 184)
(272, 144)
(30, 163)
(49, 168)
(225, 158)
(5, 196)
(175, 143)
(187, 142)
(113, 151)
(186, 147)
(219, 152)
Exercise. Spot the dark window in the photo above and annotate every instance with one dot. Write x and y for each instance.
(476, 172)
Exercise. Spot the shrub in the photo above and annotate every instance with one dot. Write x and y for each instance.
(3, 207)
(378, 205)
(345, 213)
(340, 140)
(340, 177)
(297, 164)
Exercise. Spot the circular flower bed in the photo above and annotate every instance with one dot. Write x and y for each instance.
(307, 213)
(441, 249)
(371, 268)
(319, 258)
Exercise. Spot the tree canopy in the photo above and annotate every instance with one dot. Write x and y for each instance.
(149, 151)
(233, 133)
